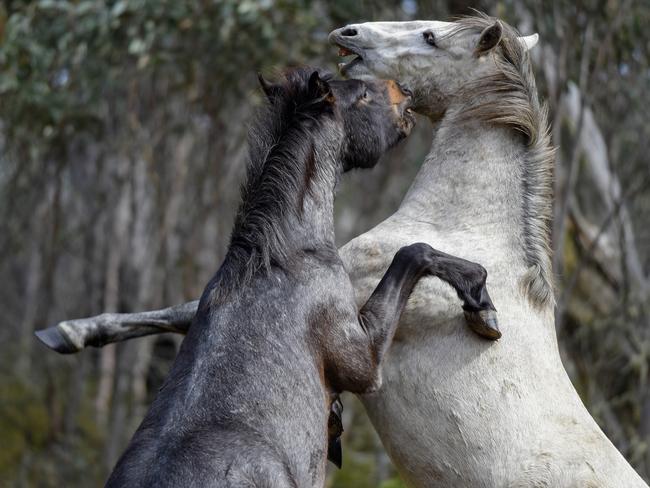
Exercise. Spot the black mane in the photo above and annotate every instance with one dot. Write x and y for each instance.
(280, 169)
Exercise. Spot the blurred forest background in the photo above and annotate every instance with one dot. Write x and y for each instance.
(122, 127)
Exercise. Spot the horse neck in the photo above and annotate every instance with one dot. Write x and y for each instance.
(471, 183)
(299, 211)
(311, 224)
(315, 226)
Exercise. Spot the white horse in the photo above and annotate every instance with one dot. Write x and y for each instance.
(455, 410)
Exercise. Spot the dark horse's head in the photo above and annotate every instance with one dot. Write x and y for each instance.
(311, 129)
(374, 115)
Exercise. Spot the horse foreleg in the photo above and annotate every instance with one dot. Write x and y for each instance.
(468, 279)
(380, 315)
(72, 336)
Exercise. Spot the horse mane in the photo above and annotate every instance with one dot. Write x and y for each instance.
(509, 97)
(282, 164)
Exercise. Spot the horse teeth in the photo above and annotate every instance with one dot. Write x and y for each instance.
(344, 52)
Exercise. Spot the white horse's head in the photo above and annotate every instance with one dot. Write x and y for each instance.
(433, 59)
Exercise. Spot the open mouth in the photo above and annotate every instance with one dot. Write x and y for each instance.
(346, 52)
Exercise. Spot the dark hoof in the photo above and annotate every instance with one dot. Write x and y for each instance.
(484, 323)
(335, 452)
(334, 431)
(53, 338)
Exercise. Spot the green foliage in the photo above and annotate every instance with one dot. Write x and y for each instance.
(61, 60)
(24, 425)
(392, 483)
(358, 472)
(33, 452)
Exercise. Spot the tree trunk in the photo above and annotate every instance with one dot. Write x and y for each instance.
(111, 303)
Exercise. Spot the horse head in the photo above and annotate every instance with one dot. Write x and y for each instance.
(436, 60)
(371, 115)
(376, 115)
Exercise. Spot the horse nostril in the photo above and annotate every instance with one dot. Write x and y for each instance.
(349, 32)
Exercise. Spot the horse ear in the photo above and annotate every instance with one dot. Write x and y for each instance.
(490, 37)
(529, 42)
(319, 88)
(268, 88)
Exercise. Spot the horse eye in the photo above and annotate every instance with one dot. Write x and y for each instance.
(365, 95)
(429, 38)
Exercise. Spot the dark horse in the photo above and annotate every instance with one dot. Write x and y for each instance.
(277, 334)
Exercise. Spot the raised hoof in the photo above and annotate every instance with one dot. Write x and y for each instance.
(53, 338)
(484, 323)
